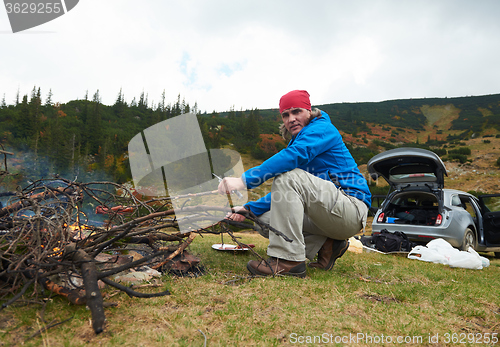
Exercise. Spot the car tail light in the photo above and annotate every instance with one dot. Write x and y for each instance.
(380, 218)
(439, 219)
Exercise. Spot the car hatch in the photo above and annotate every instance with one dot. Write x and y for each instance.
(408, 167)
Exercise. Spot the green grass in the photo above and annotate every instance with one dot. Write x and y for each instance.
(368, 293)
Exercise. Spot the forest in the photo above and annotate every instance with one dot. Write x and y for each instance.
(88, 139)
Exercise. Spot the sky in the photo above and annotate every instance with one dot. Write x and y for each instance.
(223, 54)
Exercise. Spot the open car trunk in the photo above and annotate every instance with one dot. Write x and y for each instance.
(415, 208)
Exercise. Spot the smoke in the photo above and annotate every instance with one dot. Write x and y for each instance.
(26, 167)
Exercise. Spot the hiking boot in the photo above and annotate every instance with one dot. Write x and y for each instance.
(277, 266)
(329, 252)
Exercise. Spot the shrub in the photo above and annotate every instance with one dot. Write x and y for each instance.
(460, 157)
(461, 151)
(486, 141)
(386, 145)
(440, 151)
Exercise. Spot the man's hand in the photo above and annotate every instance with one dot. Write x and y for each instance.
(236, 216)
(230, 184)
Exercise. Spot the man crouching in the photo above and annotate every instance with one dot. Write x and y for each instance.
(319, 198)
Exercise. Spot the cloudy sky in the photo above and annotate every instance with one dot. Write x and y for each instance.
(246, 54)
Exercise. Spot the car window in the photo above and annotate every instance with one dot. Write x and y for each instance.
(492, 203)
(470, 208)
(418, 177)
(455, 201)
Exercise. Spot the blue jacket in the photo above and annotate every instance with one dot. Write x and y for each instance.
(318, 149)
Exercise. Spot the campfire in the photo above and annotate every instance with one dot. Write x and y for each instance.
(48, 241)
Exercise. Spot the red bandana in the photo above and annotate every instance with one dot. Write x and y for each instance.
(295, 99)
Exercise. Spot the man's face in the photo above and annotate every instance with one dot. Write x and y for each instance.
(295, 119)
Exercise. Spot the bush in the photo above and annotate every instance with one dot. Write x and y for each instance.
(461, 151)
(259, 153)
(460, 157)
(384, 144)
(486, 141)
(440, 151)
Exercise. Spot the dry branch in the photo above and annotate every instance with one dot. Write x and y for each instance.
(92, 292)
(49, 231)
(181, 248)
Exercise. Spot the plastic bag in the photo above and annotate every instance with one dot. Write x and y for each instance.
(440, 251)
(426, 254)
(485, 261)
(466, 260)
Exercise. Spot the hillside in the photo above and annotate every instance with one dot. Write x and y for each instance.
(473, 113)
(479, 174)
(85, 135)
(439, 126)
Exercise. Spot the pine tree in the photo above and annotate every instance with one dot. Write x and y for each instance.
(23, 124)
(35, 109)
(232, 113)
(133, 103)
(48, 101)
(251, 126)
(142, 102)
(161, 104)
(176, 111)
(93, 124)
(119, 106)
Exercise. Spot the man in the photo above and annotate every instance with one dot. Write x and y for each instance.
(319, 199)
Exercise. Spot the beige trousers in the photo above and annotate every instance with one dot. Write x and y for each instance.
(309, 210)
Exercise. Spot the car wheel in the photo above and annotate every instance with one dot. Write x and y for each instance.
(469, 240)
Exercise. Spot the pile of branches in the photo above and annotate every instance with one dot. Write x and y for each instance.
(45, 233)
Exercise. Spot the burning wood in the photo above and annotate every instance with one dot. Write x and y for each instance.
(47, 234)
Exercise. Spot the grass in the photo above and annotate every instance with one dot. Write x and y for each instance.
(366, 295)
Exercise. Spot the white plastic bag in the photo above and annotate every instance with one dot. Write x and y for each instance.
(466, 260)
(485, 261)
(426, 254)
(440, 251)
